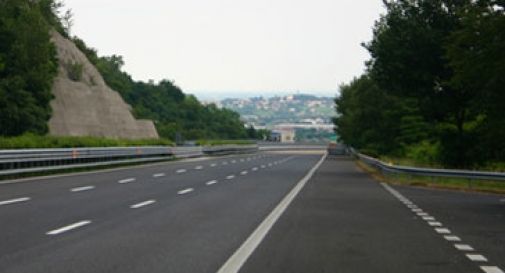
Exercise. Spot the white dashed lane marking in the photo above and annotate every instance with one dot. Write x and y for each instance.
(452, 238)
(188, 190)
(476, 258)
(198, 167)
(491, 269)
(211, 182)
(68, 228)
(435, 224)
(13, 201)
(86, 188)
(443, 230)
(229, 177)
(463, 247)
(156, 175)
(181, 171)
(243, 172)
(143, 204)
(127, 180)
(254, 169)
(213, 165)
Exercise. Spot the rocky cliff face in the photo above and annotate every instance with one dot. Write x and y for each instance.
(84, 105)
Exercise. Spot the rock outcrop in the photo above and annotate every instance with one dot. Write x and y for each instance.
(84, 105)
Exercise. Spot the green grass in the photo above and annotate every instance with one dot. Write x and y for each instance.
(216, 142)
(30, 141)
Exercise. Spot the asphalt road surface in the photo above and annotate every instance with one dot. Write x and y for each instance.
(266, 212)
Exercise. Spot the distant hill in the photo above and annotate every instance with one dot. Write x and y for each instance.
(300, 108)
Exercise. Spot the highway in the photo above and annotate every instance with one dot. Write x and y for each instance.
(286, 211)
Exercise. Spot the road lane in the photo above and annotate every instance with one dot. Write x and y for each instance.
(117, 231)
(343, 221)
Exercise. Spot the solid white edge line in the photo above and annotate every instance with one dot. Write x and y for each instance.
(13, 201)
(142, 204)
(235, 262)
(85, 188)
(188, 190)
(68, 228)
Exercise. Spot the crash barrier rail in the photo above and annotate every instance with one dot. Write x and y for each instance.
(387, 168)
(13, 162)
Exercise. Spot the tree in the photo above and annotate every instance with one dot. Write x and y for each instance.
(28, 66)
(409, 61)
(476, 54)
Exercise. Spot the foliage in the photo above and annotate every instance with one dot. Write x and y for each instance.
(173, 112)
(433, 89)
(74, 71)
(27, 67)
(36, 141)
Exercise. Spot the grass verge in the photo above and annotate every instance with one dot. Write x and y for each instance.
(461, 184)
(30, 141)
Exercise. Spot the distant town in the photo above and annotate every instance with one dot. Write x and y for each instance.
(300, 117)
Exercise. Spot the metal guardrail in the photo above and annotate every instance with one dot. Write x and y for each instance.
(14, 162)
(392, 169)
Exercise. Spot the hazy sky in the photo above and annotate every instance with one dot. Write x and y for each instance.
(210, 47)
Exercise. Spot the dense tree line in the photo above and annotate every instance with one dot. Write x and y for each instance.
(433, 89)
(173, 112)
(27, 66)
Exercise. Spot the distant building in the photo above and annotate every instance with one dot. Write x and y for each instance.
(283, 136)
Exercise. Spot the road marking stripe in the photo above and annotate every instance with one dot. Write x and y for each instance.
(127, 180)
(463, 247)
(452, 238)
(417, 210)
(234, 161)
(225, 163)
(423, 214)
(229, 177)
(491, 269)
(263, 166)
(143, 204)
(429, 218)
(435, 224)
(158, 174)
(254, 169)
(181, 171)
(235, 262)
(13, 201)
(211, 182)
(213, 165)
(85, 188)
(188, 190)
(476, 258)
(198, 167)
(443, 230)
(68, 228)
(244, 172)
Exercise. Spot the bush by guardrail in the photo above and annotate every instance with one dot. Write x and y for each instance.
(487, 181)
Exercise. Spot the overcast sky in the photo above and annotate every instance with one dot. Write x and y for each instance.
(212, 47)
